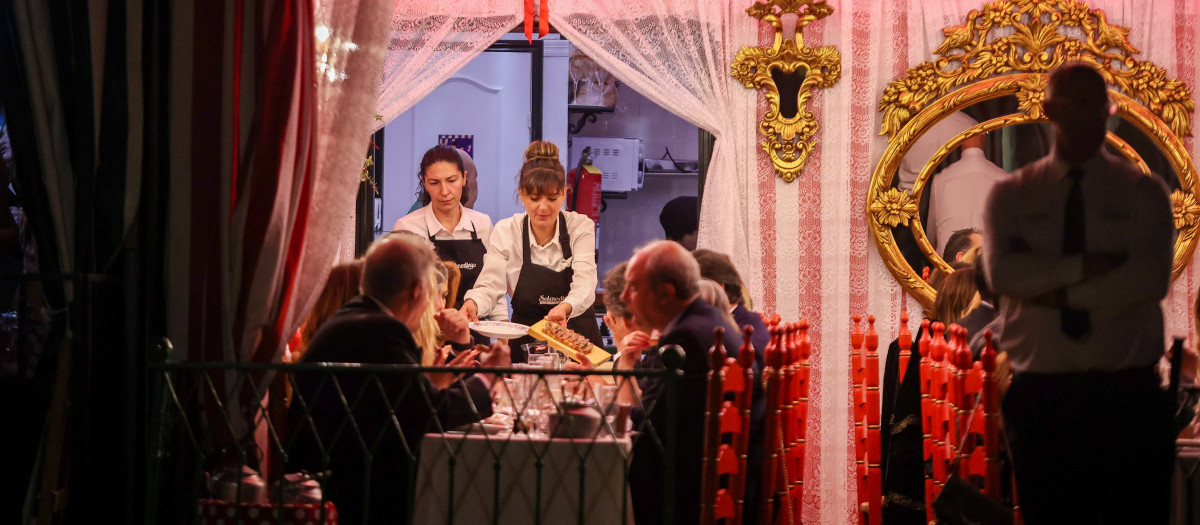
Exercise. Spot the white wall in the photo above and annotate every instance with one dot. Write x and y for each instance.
(490, 99)
(629, 223)
(659, 129)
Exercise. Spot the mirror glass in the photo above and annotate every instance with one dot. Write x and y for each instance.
(950, 203)
(788, 85)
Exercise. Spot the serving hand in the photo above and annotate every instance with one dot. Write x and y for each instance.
(559, 314)
(471, 310)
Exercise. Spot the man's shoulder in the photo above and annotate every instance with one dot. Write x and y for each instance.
(1030, 177)
(744, 316)
(697, 320)
(360, 332)
(1033, 172)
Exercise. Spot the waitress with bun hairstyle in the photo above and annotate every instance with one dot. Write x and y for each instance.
(458, 233)
(544, 258)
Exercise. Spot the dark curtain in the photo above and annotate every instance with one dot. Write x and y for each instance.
(97, 294)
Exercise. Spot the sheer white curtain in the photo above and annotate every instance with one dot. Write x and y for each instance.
(429, 40)
(344, 108)
(678, 54)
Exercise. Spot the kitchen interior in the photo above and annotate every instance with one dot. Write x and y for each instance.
(518, 91)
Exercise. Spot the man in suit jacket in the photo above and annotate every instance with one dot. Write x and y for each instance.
(384, 415)
(661, 290)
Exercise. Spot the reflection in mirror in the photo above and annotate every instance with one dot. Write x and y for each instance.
(998, 77)
(948, 201)
(1146, 148)
(788, 85)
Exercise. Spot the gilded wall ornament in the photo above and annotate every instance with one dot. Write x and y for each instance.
(975, 63)
(1039, 43)
(1184, 208)
(894, 207)
(788, 72)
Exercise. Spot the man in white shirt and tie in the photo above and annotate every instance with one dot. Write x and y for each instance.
(1079, 244)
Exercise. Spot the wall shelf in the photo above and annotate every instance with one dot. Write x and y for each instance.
(587, 115)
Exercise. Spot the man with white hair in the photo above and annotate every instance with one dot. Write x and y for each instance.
(391, 412)
(662, 291)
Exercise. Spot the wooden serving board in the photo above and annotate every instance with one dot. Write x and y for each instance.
(596, 356)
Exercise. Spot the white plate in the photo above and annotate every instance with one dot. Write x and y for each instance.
(500, 329)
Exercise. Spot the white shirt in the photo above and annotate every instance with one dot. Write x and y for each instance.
(502, 264)
(424, 223)
(1127, 213)
(927, 144)
(959, 194)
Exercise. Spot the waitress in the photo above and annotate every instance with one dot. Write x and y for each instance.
(458, 233)
(545, 258)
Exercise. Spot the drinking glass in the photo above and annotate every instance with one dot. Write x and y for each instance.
(535, 348)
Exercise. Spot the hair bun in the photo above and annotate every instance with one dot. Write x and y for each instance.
(541, 149)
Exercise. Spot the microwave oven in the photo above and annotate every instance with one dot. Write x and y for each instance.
(620, 160)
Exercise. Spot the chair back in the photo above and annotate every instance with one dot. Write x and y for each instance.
(864, 373)
(772, 482)
(859, 403)
(726, 430)
(799, 348)
(963, 413)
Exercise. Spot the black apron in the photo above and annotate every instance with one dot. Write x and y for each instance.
(468, 255)
(539, 289)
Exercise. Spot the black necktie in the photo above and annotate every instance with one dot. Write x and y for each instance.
(1075, 323)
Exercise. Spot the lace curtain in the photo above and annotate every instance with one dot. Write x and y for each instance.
(429, 40)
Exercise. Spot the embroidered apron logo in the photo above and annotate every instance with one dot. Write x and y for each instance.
(545, 299)
(467, 266)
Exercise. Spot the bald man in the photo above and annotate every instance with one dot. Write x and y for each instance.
(376, 328)
(662, 291)
(1079, 244)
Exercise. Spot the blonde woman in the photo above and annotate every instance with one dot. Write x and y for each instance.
(440, 325)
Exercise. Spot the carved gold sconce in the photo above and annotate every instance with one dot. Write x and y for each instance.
(1008, 48)
(788, 71)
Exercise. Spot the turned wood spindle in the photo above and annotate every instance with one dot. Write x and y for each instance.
(874, 440)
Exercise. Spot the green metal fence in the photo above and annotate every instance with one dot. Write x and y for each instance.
(204, 418)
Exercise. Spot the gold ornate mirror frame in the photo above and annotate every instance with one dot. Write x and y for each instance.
(975, 65)
(789, 139)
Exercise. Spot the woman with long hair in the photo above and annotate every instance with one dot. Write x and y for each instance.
(340, 287)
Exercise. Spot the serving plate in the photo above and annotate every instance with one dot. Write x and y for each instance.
(500, 329)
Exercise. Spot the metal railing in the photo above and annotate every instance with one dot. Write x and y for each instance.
(321, 417)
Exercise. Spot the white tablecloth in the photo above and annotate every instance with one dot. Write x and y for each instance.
(606, 493)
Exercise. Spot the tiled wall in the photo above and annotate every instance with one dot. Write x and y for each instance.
(629, 223)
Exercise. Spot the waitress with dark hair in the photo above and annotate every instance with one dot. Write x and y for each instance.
(545, 258)
(458, 233)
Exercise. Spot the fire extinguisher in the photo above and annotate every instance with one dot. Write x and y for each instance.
(583, 187)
